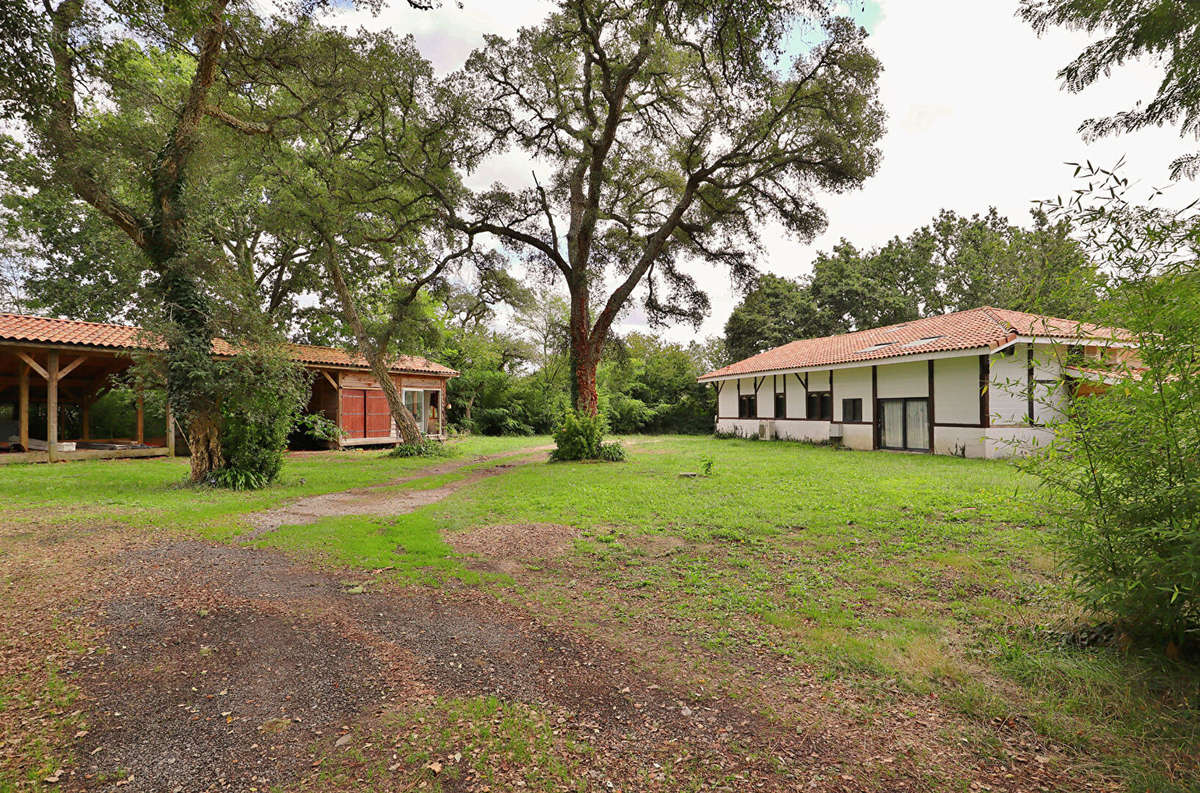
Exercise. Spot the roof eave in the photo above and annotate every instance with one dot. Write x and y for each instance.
(711, 377)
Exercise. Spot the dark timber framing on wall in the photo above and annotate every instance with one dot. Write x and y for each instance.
(931, 419)
(779, 414)
(874, 407)
(1029, 382)
(985, 389)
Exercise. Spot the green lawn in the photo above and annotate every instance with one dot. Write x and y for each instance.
(880, 572)
(152, 492)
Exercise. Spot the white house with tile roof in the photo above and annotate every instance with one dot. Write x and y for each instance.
(979, 383)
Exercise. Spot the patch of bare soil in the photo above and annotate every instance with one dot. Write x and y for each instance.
(236, 668)
(184, 702)
(381, 499)
(505, 548)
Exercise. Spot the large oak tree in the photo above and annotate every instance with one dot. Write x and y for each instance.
(340, 112)
(663, 133)
(81, 62)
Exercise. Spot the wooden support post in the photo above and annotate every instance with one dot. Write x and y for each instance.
(170, 429)
(85, 410)
(23, 398)
(337, 394)
(52, 407)
(141, 427)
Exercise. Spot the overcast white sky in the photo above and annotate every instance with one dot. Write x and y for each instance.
(976, 118)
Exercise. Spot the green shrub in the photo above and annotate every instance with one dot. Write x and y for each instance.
(581, 437)
(263, 394)
(1123, 469)
(426, 448)
(316, 428)
(626, 414)
(612, 452)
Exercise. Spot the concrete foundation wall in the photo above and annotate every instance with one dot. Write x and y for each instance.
(960, 441)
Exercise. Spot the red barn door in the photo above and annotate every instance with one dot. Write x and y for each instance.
(354, 412)
(379, 417)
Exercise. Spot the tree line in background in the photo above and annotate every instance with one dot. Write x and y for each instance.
(952, 264)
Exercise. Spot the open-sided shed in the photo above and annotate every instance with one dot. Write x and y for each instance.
(47, 364)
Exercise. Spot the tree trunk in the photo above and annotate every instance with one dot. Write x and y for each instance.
(406, 424)
(410, 433)
(585, 363)
(192, 380)
(204, 443)
(585, 356)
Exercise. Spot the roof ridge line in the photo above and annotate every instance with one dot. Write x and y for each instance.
(44, 318)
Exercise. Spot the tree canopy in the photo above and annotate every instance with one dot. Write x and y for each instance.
(952, 264)
(662, 133)
(1167, 31)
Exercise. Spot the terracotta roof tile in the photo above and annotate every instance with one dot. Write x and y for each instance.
(47, 330)
(963, 330)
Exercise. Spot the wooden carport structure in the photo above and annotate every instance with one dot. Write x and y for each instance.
(56, 362)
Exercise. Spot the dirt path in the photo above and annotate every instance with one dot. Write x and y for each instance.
(251, 670)
(384, 498)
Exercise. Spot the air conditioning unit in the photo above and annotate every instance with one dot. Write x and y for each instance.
(766, 430)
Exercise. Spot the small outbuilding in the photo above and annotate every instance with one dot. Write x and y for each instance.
(979, 383)
(51, 365)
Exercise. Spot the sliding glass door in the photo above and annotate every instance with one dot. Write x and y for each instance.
(904, 424)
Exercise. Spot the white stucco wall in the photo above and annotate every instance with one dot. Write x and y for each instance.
(727, 399)
(747, 428)
(1009, 387)
(795, 397)
(956, 390)
(1049, 402)
(766, 398)
(858, 436)
(903, 380)
(1007, 401)
(1005, 442)
(852, 384)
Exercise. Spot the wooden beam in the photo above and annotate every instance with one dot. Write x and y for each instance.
(141, 415)
(85, 418)
(52, 406)
(338, 409)
(170, 428)
(66, 370)
(931, 406)
(330, 379)
(874, 407)
(23, 407)
(35, 365)
(985, 377)
(1029, 383)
